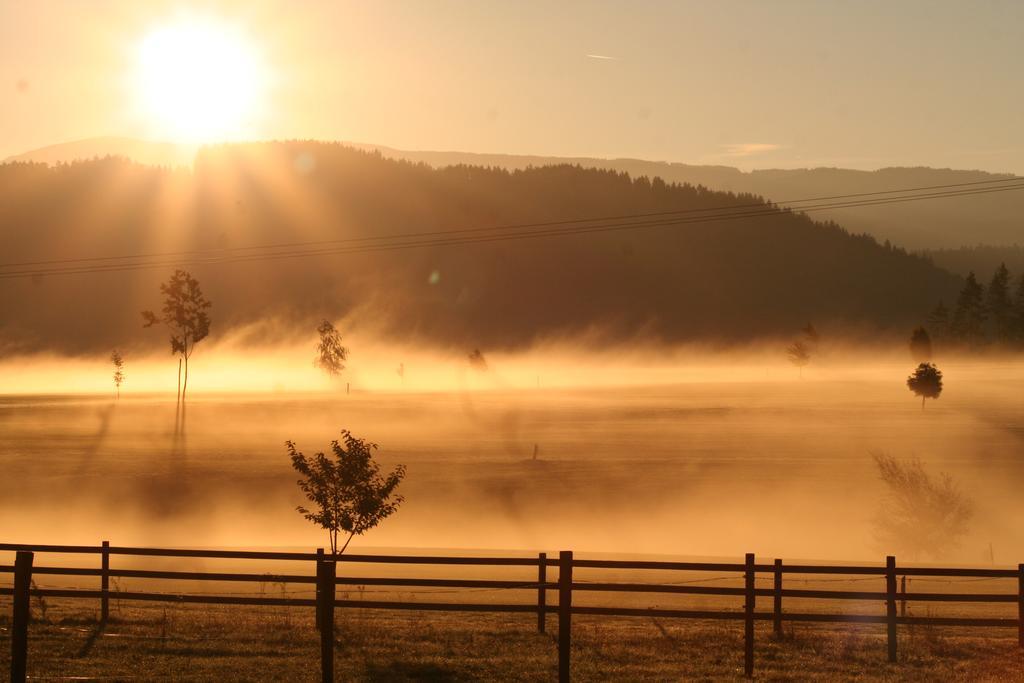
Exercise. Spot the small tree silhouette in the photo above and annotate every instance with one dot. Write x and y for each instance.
(477, 361)
(118, 361)
(330, 353)
(921, 345)
(920, 515)
(184, 314)
(926, 382)
(348, 492)
(799, 355)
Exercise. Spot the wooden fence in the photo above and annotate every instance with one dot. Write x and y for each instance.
(326, 580)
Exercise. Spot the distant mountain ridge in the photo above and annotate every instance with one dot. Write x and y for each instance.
(153, 153)
(992, 219)
(980, 260)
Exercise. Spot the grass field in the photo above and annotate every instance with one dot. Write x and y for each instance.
(776, 466)
(146, 641)
(700, 469)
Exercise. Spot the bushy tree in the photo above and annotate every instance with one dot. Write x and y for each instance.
(331, 354)
(184, 314)
(921, 345)
(926, 382)
(920, 515)
(348, 493)
(118, 361)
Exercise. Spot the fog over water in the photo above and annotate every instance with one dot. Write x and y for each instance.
(683, 452)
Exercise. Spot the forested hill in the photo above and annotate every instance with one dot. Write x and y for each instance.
(730, 280)
(948, 222)
(942, 223)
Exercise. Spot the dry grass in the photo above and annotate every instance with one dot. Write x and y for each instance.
(147, 641)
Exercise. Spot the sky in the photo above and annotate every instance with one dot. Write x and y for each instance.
(777, 84)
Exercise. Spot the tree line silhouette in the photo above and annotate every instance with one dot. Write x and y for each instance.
(983, 316)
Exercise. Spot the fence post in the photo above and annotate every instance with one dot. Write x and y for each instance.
(542, 593)
(1020, 604)
(564, 613)
(326, 572)
(19, 629)
(777, 607)
(890, 604)
(105, 582)
(319, 562)
(748, 624)
(903, 595)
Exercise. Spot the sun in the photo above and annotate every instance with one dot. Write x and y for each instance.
(199, 81)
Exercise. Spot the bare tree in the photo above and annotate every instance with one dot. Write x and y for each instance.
(118, 361)
(331, 354)
(348, 493)
(921, 515)
(184, 314)
(926, 382)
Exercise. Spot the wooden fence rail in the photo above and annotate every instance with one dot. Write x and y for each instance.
(325, 580)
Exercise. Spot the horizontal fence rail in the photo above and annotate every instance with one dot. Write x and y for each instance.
(324, 581)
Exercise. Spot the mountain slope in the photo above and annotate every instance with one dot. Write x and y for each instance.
(733, 280)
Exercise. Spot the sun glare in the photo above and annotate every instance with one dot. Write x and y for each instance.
(199, 82)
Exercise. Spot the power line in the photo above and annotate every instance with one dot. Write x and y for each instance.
(767, 211)
(509, 226)
(760, 205)
(494, 233)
